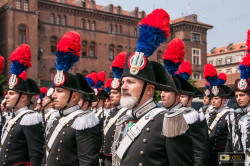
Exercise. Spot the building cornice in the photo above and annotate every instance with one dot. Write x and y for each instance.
(223, 53)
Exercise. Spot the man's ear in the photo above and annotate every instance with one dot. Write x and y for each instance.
(75, 96)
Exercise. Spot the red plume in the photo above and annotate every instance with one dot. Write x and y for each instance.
(248, 39)
(23, 75)
(43, 90)
(185, 67)
(70, 42)
(222, 76)
(108, 83)
(102, 76)
(22, 54)
(1, 64)
(175, 51)
(94, 77)
(119, 60)
(159, 18)
(210, 71)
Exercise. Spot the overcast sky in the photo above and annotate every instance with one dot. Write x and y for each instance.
(230, 18)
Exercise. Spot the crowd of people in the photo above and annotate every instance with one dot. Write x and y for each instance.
(83, 121)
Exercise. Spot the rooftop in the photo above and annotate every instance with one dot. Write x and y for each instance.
(227, 49)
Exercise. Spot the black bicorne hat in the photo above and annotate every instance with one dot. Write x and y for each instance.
(198, 93)
(102, 94)
(220, 90)
(183, 86)
(32, 87)
(242, 85)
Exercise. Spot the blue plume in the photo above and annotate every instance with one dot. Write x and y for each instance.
(108, 90)
(65, 60)
(245, 72)
(117, 72)
(213, 81)
(185, 75)
(17, 68)
(99, 84)
(41, 96)
(150, 39)
(207, 86)
(171, 66)
(90, 81)
(221, 82)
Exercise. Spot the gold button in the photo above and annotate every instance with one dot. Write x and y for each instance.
(47, 140)
(4, 163)
(12, 129)
(147, 129)
(67, 124)
(59, 150)
(8, 143)
(63, 133)
(7, 150)
(140, 164)
(5, 156)
(141, 152)
(57, 158)
(144, 140)
(152, 118)
(61, 141)
(10, 135)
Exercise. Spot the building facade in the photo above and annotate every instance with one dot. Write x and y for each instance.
(226, 59)
(105, 31)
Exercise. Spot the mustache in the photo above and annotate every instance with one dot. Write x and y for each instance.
(126, 93)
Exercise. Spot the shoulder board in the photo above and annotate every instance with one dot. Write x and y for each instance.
(30, 119)
(54, 115)
(84, 121)
(191, 116)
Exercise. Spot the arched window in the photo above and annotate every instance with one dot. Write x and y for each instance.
(111, 8)
(84, 48)
(25, 5)
(52, 18)
(110, 28)
(92, 5)
(53, 43)
(83, 3)
(64, 20)
(115, 28)
(93, 25)
(135, 32)
(87, 26)
(58, 19)
(52, 73)
(82, 23)
(118, 49)
(92, 49)
(120, 29)
(22, 33)
(159, 55)
(18, 4)
(118, 10)
(85, 72)
(111, 52)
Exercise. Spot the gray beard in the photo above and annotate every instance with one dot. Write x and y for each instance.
(128, 102)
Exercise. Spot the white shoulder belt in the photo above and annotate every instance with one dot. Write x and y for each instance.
(218, 116)
(46, 116)
(135, 131)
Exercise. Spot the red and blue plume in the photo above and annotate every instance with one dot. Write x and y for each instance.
(174, 55)
(92, 79)
(108, 85)
(20, 59)
(210, 74)
(185, 70)
(248, 41)
(43, 92)
(222, 78)
(245, 67)
(153, 30)
(207, 85)
(23, 75)
(101, 79)
(68, 51)
(118, 64)
(1, 64)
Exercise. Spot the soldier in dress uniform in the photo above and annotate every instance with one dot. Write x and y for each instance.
(207, 107)
(73, 136)
(117, 111)
(22, 139)
(172, 58)
(138, 137)
(220, 119)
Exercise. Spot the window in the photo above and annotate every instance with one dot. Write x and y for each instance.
(115, 28)
(25, 5)
(196, 76)
(142, 14)
(118, 49)
(85, 72)
(84, 48)
(52, 73)
(118, 10)
(135, 32)
(120, 29)
(87, 25)
(238, 58)
(196, 57)
(218, 62)
(228, 71)
(62, 1)
(18, 4)
(159, 55)
(58, 20)
(195, 37)
(93, 25)
(83, 3)
(52, 17)
(82, 23)
(110, 28)
(92, 49)
(211, 61)
(111, 9)
(22, 34)
(91, 5)
(136, 13)
(53, 43)
(111, 52)
(228, 60)
(64, 20)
